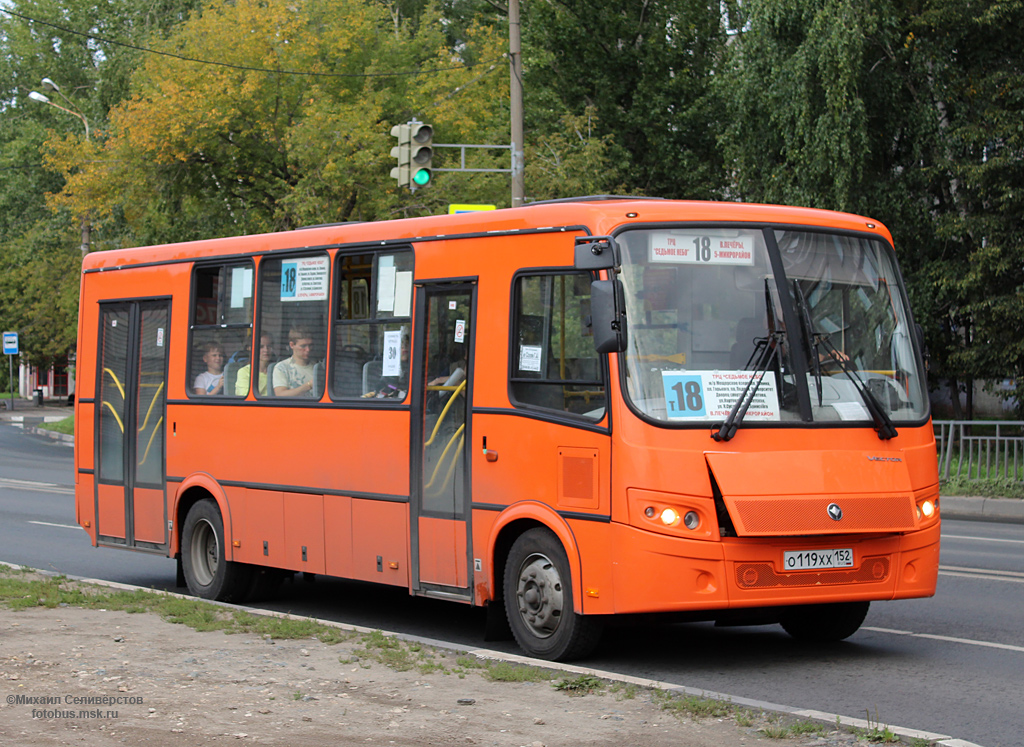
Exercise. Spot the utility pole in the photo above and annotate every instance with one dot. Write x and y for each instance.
(516, 91)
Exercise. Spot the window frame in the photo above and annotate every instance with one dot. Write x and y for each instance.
(602, 382)
(371, 321)
(224, 265)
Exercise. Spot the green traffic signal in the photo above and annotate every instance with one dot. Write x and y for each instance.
(414, 154)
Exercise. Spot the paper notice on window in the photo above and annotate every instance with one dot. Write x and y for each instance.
(851, 411)
(529, 358)
(392, 364)
(710, 395)
(386, 284)
(403, 293)
(304, 279)
(696, 249)
(241, 286)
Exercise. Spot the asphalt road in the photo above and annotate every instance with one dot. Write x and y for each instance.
(950, 664)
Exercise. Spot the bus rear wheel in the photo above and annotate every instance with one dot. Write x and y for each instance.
(208, 574)
(824, 623)
(538, 600)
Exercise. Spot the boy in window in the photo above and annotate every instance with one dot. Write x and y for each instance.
(294, 377)
(211, 381)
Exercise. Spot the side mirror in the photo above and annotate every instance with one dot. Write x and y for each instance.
(608, 314)
(595, 253)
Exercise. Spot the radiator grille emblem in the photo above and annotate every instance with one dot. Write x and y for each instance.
(835, 512)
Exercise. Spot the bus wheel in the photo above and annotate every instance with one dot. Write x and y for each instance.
(207, 573)
(538, 600)
(823, 623)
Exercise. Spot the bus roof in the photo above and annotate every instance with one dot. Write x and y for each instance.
(598, 215)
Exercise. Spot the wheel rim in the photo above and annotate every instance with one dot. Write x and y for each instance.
(205, 552)
(539, 593)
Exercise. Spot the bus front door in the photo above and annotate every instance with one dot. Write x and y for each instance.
(441, 390)
(131, 505)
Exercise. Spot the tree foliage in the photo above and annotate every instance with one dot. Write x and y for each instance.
(217, 118)
(909, 112)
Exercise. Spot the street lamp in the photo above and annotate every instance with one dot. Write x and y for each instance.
(49, 85)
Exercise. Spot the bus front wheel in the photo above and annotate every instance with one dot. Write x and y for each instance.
(208, 574)
(824, 623)
(538, 600)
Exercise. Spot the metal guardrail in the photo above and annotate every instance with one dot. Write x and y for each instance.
(980, 449)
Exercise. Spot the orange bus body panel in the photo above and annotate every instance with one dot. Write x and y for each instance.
(330, 488)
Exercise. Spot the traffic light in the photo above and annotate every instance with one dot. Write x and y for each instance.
(414, 153)
(401, 172)
(421, 154)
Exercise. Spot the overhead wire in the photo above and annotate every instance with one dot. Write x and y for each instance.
(147, 50)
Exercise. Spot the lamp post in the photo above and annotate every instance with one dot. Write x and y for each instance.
(43, 99)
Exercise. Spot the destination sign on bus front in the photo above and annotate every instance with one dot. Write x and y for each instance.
(710, 395)
(700, 249)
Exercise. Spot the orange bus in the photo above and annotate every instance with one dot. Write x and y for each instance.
(563, 412)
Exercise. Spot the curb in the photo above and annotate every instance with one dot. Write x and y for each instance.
(832, 719)
(1009, 510)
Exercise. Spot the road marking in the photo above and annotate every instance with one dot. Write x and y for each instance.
(50, 524)
(43, 487)
(948, 639)
(981, 539)
(985, 573)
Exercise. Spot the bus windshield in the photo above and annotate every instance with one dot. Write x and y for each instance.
(813, 326)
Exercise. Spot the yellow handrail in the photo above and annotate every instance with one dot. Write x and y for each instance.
(149, 412)
(151, 437)
(114, 377)
(456, 391)
(116, 416)
(440, 461)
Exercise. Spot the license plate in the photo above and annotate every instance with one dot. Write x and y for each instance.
(803, 560)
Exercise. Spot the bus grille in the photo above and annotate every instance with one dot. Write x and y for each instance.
(764, 576)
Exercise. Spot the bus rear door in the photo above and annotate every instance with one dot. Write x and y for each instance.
(131, 502)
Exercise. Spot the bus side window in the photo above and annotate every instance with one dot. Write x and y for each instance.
(293, 314)
(554, 364)
(373, 318)
(221, 332)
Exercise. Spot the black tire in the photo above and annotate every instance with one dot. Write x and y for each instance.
(208, 574)
(538, 600)
(825, 623)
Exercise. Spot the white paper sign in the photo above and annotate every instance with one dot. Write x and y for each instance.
(702, 250)
(304, 279)
(529, 357)
(392, 364)
(460, 330)
(710, 395)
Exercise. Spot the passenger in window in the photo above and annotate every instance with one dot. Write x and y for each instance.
(211, 381)
(295, 376)
(266, 356)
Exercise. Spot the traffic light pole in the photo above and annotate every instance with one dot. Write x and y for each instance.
(516, 103)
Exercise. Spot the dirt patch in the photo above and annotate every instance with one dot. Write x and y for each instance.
(101, 677)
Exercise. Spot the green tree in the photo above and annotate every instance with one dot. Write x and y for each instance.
(645, 69)
(287, 124)
(906, 112)
(87, 49)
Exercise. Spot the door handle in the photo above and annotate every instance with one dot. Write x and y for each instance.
(489, 454)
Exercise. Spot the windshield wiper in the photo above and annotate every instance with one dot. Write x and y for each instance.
(769, 347)
(883, 423)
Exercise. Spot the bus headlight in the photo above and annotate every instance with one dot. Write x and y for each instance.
(691, 520)
(669, 517)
